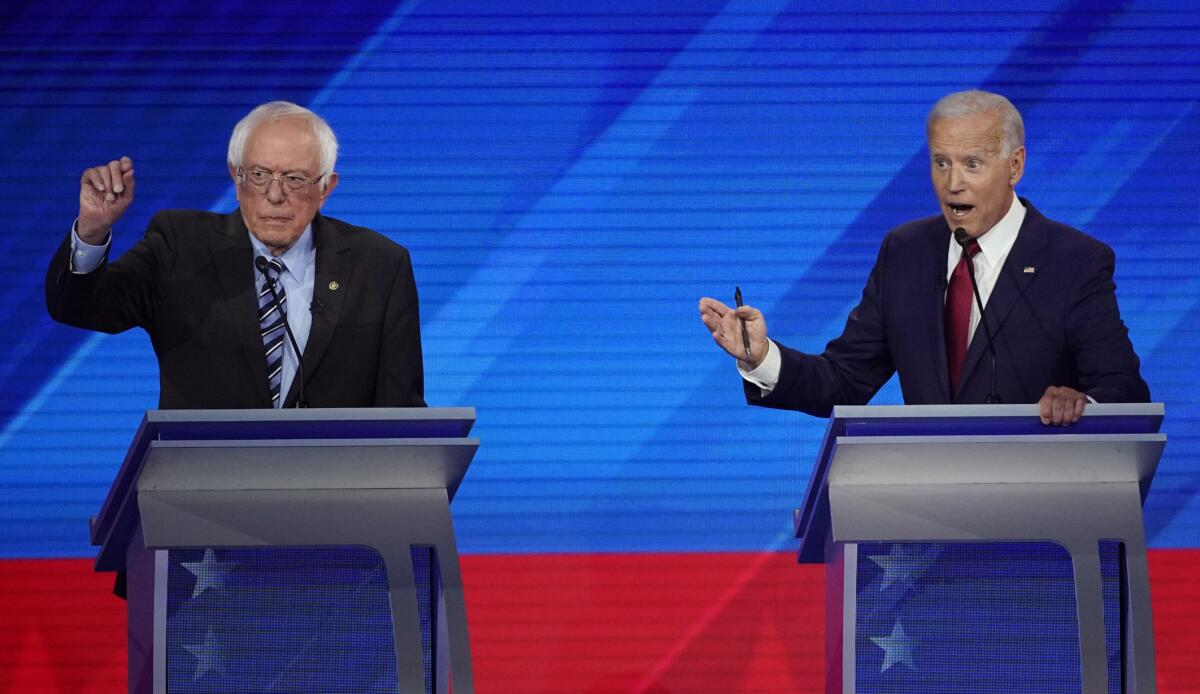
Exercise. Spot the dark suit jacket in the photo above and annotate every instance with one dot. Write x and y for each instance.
(1053, 312)
(190, 284)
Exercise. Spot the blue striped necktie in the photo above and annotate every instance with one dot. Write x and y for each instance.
(270, 322)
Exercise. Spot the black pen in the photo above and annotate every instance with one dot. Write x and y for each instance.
(737, 299)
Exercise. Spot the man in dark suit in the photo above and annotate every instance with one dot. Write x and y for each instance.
(197, 282)
(1048, 293)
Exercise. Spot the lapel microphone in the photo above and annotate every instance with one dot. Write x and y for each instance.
(963, 239)
(261, 264)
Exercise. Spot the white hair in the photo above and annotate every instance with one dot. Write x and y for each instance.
(327, 143)
(974, 101)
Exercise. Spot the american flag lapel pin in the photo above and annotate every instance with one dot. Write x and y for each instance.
(1029, 270)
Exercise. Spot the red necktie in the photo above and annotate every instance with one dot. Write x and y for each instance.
(958, 315)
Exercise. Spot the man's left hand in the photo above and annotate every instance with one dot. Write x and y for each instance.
(1061, 406)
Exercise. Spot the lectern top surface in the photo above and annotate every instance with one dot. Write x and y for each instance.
(966, 420)
(312, 423)
(118, 514)
(949, 423)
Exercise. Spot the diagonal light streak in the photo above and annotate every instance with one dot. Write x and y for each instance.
(711, 613)
(615, 153)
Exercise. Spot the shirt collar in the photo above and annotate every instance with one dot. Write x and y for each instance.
(297, 258)
(998, 240)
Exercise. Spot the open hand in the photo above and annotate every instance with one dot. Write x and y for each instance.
(726, 329)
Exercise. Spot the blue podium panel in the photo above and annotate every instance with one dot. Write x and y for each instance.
(977, 617)
(314, 619)
(1116, 600)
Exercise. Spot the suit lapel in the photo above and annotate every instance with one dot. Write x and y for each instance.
(334, 269)
(233, 260)
(1011, 284)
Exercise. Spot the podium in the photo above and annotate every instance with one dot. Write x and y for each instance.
(375, 481)
(984, 474)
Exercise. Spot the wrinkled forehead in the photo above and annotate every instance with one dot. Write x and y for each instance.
(977, 133)
(287, 143)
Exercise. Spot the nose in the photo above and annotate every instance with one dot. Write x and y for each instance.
(954, 180)
(274, 191)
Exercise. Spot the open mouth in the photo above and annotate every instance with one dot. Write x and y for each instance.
(960, 210)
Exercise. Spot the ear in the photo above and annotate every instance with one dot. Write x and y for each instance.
(1016, 166)
(330, 184)
(237, 189)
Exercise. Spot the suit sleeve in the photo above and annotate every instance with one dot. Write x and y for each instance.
(115, 296)
(853, 366)
(401, 378)
(1108, 368)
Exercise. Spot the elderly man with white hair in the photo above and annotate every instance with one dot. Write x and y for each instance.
(1050, 306)
(212, 290)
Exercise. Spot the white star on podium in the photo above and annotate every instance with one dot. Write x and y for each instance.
(898, 567)
(897, 648)
(209, 572)
(208, 656)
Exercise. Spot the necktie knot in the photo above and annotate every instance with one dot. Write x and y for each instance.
(275, 267)
(973, 249)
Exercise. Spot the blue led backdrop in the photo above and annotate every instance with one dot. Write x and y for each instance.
(570, 179)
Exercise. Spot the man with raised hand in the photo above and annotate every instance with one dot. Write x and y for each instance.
(212, 289)
(1047, 289)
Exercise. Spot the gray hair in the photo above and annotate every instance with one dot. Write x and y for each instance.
(327, 143)
(974, 101)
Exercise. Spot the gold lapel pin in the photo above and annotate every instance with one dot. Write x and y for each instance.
(333, 286)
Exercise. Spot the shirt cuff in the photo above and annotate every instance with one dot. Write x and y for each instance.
(84, 256)
(766, 376)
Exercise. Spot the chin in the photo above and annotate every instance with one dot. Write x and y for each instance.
(273, 237)
(283, 239)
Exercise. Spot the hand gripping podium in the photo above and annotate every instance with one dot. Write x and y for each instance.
(373, 481)
(941, 476)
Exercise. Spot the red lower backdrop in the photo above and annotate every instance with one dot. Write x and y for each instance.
(652, 623)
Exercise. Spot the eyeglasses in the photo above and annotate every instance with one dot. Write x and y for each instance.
(260, 181)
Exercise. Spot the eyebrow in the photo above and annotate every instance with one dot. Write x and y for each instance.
(972, 154)
(288, 172)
